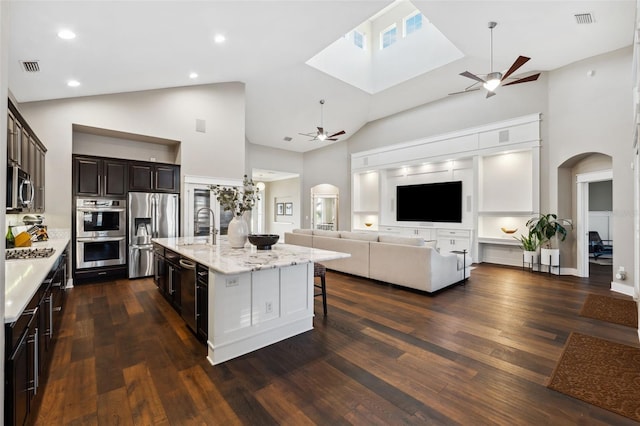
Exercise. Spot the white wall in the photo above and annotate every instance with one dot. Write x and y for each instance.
(282, 191)
(331, 165)
(166, 113)
(106, 146)
(594, 114)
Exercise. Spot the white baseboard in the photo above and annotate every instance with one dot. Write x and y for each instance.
(622, 288)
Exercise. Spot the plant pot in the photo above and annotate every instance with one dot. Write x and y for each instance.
(550, 257)
(237, 232)
(530, 257)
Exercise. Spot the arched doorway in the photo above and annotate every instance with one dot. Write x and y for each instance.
(324, 207)
(579, 183)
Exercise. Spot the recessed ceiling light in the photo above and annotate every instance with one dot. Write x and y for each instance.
(73, 83)
(193, 75)
(219, 38)
(66, 34)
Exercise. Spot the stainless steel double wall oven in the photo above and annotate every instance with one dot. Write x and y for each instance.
(101, 231)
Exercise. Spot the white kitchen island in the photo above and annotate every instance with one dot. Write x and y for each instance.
(256, 297)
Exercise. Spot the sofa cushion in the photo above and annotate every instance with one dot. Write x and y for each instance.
(397, 239)
(303, 231)
(298, 239)
(323, 233)
(362, 236)
(357, 264)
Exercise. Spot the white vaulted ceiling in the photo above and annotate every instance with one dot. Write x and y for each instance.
(126, 46)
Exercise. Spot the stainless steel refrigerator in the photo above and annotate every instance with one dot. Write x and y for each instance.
(151, 215)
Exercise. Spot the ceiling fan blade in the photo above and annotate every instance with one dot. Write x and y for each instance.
(341, 132)
(331, 139)
(517, 64)
(472, 76)
(320, 130)
(533, 77)
(465, 91)
(490, 93)
(311, 135)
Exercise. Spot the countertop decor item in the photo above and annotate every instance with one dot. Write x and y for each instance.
(238, 199)
(263, 241)
(235, 198)
(368, 224)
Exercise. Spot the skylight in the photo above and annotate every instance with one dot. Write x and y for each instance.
(393, 46)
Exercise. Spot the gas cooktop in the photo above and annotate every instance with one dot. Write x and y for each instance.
(33, 253)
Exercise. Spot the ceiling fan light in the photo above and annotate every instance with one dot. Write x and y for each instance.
(322, 136)
(493, 81)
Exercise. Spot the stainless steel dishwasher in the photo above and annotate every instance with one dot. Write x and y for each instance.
(188, 293)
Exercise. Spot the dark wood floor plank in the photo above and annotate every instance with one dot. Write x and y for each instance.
(144, 402)
(113, 408)
(474, 354)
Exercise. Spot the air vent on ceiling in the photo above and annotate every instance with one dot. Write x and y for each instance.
(31, 66)
(584, 18)
(288, 138)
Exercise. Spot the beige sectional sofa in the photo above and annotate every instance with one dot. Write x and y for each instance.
(405, 261)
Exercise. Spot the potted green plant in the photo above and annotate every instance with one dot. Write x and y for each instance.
(547, 228)
(529, 244)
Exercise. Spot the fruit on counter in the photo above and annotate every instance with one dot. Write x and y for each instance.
(23, 239)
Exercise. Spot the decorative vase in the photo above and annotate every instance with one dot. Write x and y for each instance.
(237, 232)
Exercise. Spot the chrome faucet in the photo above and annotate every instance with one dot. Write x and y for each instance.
(212, 228)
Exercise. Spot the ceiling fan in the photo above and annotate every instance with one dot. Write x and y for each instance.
(321, 134)
(495, 78)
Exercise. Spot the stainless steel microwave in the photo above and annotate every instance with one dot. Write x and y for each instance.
(20, 190)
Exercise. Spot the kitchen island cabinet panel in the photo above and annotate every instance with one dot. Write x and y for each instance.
(255, 297)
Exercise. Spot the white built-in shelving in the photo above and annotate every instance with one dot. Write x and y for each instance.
(498, 163)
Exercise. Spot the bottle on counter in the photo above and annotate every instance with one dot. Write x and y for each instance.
(11, 241)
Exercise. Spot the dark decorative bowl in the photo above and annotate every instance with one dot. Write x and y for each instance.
(263, 241)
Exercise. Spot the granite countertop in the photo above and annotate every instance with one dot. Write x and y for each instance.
(224, 259)
(22, 278)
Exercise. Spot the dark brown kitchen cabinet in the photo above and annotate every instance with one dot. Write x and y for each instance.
(29, 344)
(99, 177)
(173, 276)
(153, 177)
(202, 301)
(26, 151)
(23, 351)
(14, 140)
(160, 268)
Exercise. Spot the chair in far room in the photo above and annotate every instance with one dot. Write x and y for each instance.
(597, 246)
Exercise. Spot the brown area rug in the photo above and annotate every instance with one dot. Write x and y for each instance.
(611, 309)
(600, 372)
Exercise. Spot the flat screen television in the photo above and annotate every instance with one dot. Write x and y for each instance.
(429, 202)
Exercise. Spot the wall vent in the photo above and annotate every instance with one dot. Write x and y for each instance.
(584, 18)
(288, 138)
(31, 66)
(503, 136)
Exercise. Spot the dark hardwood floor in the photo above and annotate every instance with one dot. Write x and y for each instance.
(477, 354)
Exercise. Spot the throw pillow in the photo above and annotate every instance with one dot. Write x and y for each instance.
(397, 239)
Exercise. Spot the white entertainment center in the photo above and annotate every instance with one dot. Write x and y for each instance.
(498, 165)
